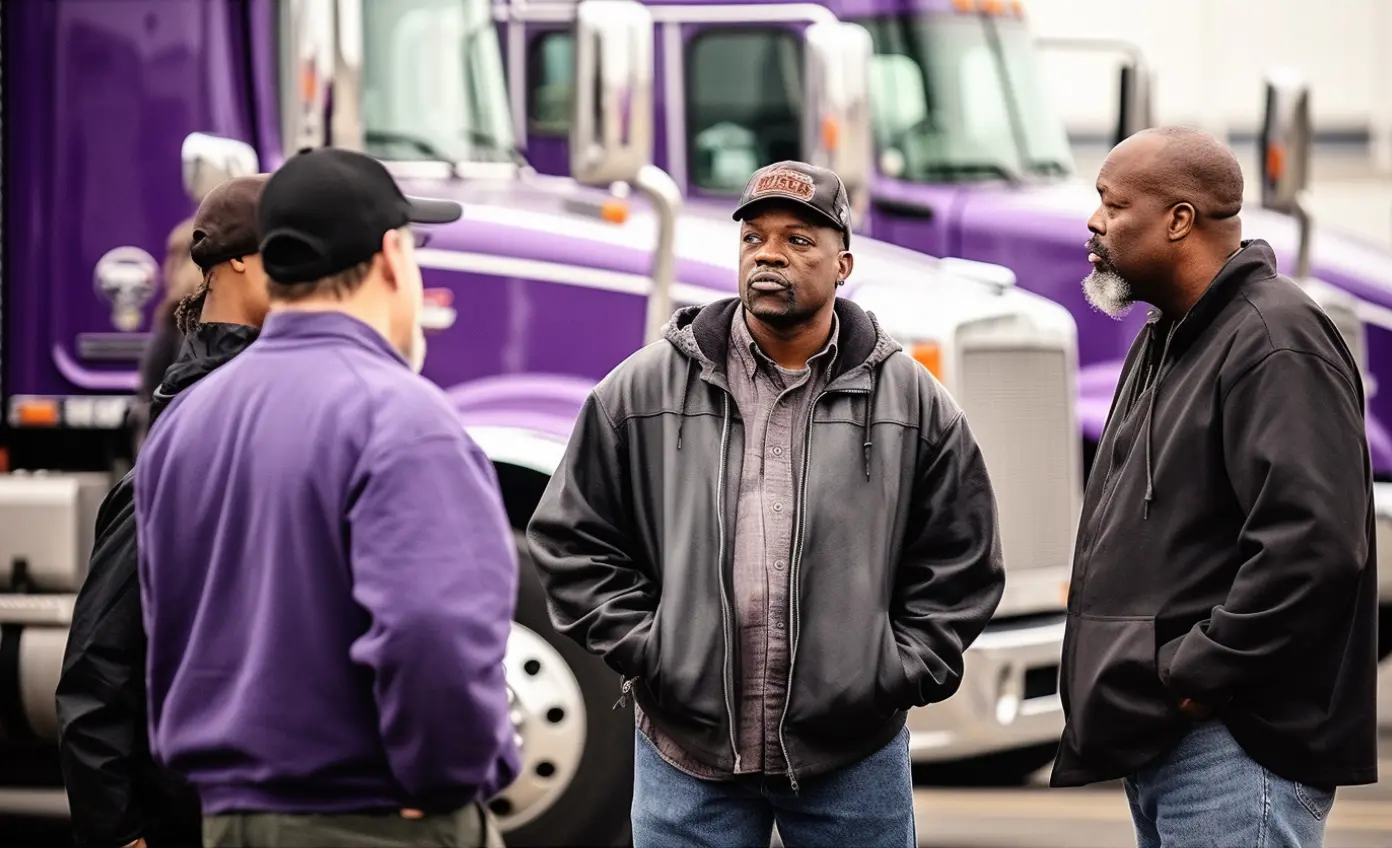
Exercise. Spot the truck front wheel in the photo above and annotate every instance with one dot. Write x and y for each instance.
(576, 782)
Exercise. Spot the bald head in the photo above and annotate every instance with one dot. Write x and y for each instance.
(1168, 219)
(1183, 164)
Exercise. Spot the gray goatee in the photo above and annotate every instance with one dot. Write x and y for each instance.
(1108, 292)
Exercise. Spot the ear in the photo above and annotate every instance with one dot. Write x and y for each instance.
(1180, 221)
(238, 265)
(392, 257)
(845, 263)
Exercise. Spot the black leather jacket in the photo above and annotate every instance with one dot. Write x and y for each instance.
(115, 790)
(896, 563)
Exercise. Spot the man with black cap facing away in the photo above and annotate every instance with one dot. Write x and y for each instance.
(328, 572)
(817, 548)
(116, 794)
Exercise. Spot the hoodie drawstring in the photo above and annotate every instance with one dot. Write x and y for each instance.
(869, 410)
(1150, 425)
(686, 389)
(1149, 473)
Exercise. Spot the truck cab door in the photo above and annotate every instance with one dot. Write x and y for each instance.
(712, 127)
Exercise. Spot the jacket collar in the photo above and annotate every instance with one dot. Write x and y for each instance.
(291, 325)
(703, 334)
(1254, 261)
(751, 356)
(203, 351)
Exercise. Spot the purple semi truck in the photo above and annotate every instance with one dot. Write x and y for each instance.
(964, 156)
(118, 115)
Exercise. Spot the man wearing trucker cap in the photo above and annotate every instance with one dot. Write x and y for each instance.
(780, 530)
(328, 573)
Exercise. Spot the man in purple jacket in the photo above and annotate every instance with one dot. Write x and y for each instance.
(327, 571)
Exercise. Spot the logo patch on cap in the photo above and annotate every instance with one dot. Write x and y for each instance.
(785, 182)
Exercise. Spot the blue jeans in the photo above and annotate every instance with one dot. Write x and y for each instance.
(866, 803)
(1208, 792)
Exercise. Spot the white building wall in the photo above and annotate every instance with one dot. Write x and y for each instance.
(1209, 55)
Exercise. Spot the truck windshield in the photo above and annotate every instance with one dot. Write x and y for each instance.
(432, 82)
(959, 97)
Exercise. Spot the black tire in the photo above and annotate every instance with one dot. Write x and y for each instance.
(1004, 768)
(595, 807)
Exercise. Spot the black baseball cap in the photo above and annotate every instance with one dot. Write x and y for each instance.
(224, 227)
(326, 210)
(817, 189)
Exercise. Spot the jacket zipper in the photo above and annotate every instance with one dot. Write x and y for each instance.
(624, 690)
(725, 614)
(1105, 500)
(795, 619)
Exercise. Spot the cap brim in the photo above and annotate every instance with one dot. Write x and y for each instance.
(421, 210)
(743, 211)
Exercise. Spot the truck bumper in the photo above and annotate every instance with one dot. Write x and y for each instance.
(1382, 507)
(39, 626)
(1009, 696)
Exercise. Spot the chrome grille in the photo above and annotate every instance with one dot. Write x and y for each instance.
(1019, 404)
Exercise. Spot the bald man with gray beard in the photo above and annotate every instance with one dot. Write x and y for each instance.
(1220, 654)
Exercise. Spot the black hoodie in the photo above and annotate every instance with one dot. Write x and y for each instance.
(115, 790)
(1225, 551)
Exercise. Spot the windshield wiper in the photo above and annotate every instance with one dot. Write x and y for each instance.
(967, 169)
(394, 137)
(1049, 167)
(428, 148)
(492, 143)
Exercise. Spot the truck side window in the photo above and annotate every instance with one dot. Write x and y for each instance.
(743, 104)
(550, 57)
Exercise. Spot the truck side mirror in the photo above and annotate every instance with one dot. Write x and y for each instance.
(611, 133)
(209, 160)
(1285, 156)
(308, 30)
(1134, 111)
(836, 125)
(1285, 141)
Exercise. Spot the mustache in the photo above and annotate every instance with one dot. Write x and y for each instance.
(768, 275)
(1095, 246)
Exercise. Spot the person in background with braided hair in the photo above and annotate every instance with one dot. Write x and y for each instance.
(117, 794)
(181, 279)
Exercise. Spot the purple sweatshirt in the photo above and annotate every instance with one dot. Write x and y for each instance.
(328, 580)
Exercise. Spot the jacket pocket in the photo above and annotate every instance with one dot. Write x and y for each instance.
(845, 688)
(1119, 711)
(891, 684)
(684, 670)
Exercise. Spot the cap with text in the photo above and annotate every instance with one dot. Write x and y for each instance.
(325, 210)
(809, 186)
